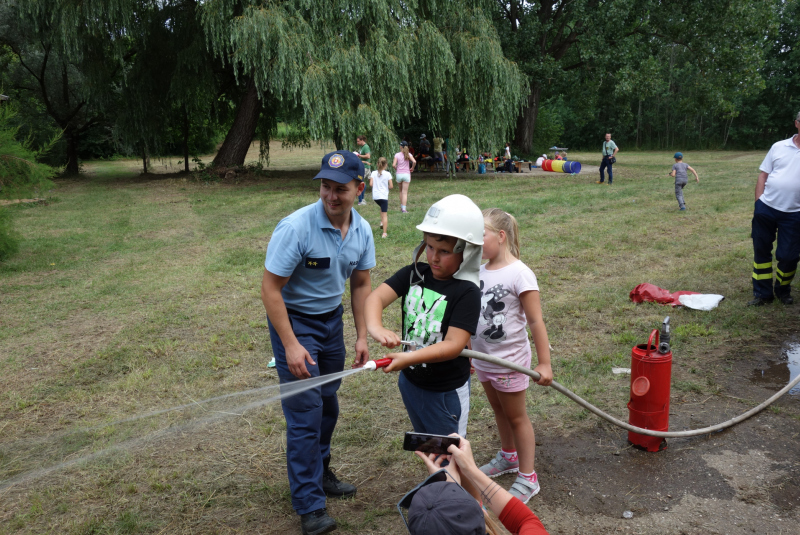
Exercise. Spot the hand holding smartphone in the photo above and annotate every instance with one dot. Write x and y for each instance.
(427, 443)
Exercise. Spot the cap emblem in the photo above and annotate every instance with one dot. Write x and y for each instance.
(337, 160)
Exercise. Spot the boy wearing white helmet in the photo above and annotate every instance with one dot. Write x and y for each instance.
(441, 304)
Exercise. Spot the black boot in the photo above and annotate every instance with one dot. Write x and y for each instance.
(317, 522)
(331, 485)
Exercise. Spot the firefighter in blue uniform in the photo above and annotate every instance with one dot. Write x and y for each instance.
(310, 256)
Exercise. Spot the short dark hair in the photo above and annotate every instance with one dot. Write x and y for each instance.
(441, 237)
(362, 138)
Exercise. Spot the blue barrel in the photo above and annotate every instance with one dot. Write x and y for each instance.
(481, 168)
(572, 167)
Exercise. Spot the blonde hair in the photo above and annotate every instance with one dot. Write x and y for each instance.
(382, 164)
(496, 220)
(405, 152)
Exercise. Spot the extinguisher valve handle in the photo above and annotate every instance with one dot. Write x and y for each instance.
(663, 348)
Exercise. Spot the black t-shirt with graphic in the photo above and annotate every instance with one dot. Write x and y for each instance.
(429, 308)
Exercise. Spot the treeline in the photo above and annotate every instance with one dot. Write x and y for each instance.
(153, 77)
(704, 74)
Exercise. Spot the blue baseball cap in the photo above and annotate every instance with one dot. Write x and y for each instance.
(341, 166)
(678, 155)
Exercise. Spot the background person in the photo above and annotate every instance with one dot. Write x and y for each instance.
(609, 157)
(681, 178)
(310, 256)
(442, 508)
(381, 182)
(777, 209)
(403, 165)
(364, 154)
(438, 153)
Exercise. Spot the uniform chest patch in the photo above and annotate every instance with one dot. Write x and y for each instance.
(317, 263)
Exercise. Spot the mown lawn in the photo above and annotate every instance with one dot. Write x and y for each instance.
(134, 294)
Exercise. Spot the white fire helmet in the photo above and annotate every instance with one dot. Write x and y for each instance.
(459, 217)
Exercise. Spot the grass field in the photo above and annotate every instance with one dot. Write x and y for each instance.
(132, 294)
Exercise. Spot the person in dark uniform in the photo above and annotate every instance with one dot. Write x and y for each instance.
(777, 211)
(310, 256)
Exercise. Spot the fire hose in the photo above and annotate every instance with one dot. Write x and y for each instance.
(664, 434)
(588, 406)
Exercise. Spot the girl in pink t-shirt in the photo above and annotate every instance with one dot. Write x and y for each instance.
(509, 301)
(403, 164)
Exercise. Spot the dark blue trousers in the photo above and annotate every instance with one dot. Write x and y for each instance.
(310, 416)
(766, 223)
(606, 163)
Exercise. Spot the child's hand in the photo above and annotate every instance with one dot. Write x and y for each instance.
(385, 337)
(399, 362)
(546, 374)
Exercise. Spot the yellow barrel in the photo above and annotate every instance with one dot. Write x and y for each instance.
(558, 166)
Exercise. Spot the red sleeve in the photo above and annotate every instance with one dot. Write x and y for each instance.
(518, 519)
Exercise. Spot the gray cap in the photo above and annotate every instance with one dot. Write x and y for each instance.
(444, 507)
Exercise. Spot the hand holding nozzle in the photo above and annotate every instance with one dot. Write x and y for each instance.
(382, 363)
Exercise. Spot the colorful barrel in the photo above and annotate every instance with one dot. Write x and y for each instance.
(561, 166)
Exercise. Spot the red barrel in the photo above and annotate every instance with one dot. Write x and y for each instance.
(651, 375)
(547, 165)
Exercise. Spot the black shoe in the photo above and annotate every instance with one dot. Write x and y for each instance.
(759, 301)
(317, 522)
(786, 299)
(331, 485)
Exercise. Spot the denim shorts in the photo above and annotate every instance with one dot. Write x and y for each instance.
(403, 177)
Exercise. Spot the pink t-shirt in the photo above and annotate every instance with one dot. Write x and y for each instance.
(501, 327)
(402, 163)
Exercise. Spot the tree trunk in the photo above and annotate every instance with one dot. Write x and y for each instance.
(144, 159)
(526, 122)
(73, 166)
(338, 142)
(638, 124)
(185, 139)
(234, 149)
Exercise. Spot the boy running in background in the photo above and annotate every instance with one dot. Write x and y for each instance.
(441, 303)
(681, 178)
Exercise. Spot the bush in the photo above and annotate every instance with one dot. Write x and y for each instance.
(9, 241)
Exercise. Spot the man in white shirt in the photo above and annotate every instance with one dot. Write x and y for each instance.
(777, 209)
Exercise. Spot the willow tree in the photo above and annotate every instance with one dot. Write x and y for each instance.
(69, 56)
(364, 66)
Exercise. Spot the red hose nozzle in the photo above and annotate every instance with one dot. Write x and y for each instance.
(379, 363)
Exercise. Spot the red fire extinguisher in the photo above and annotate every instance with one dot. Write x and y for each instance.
(651, 375)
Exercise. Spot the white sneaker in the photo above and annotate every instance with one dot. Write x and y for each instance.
(499, 466)
(362, 203)
(523, 489)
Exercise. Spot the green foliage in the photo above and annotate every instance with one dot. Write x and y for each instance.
(20, 173)
(366, 66)
(549, 126)
(655, 74)
(9, 240)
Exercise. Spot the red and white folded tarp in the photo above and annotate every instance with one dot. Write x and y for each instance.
(695, 300)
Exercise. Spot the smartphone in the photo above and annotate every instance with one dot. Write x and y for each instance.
(429, 443)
